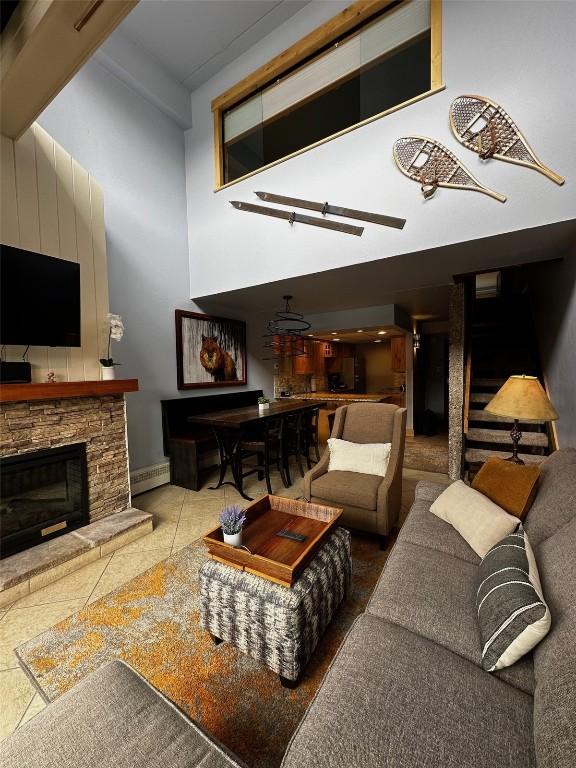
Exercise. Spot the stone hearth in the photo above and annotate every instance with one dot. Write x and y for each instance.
(94, 413)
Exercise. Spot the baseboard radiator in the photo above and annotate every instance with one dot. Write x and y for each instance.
(146, 478)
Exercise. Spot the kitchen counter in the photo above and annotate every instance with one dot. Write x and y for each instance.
(349, 397)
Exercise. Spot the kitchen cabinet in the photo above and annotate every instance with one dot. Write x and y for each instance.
(319, 363)
(398, 349)
(329, 349)
(304, 364)
(335, 364)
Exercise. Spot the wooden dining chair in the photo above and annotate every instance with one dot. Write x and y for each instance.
(261, 447)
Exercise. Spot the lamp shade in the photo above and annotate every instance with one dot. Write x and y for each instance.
(522, 397)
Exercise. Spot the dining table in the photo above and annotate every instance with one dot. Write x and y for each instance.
(229, 425)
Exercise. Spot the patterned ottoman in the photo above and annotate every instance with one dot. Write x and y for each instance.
(277, 625)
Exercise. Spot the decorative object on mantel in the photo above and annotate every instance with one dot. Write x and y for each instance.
(263, 404)
(292, 216)
(484, 127)
(232, 519)
(521, 398)
(285, 333)
(210, 351)
(115, 331)
(50, 377)
(433, 165)
(335, 210)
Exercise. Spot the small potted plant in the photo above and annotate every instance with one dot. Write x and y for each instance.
(263, 404)
(232, 518)
(115, 331)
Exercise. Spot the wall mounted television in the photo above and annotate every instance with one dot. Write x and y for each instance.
(40, 299)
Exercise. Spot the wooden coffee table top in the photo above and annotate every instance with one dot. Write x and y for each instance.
(263, 552)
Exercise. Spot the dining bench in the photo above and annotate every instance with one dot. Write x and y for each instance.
(185, 443)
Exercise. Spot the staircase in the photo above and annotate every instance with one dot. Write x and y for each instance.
(502, 342)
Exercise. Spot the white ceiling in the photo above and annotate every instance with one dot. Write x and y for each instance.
(193, 39)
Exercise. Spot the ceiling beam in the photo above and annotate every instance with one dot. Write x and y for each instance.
(43, 46)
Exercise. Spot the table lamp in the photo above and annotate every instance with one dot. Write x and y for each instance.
(521, 398)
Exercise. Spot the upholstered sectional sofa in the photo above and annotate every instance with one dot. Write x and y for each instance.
(405, 690)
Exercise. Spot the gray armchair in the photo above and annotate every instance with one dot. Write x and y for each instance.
(371, 502)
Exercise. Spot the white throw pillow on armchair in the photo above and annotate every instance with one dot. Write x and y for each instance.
(366, 458)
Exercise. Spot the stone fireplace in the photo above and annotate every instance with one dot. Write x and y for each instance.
(45, 421)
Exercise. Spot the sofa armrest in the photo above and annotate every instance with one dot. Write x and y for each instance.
(113, 718)
(427, 491)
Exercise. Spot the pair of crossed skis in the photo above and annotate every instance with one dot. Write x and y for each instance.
(315, 221)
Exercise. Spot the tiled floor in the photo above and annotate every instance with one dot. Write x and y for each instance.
(180, 517)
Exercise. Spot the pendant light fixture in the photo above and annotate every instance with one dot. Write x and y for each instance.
(285, 333)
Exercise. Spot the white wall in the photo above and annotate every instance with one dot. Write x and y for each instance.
(137, 155)
(518, 53)
(554, 290)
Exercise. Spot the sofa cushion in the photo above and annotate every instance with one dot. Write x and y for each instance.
(423, 528)
(512, 614)
(477, 519)
(555, 693)
(555, 657)
(348, 488)
(512, 486)
(434, 594)
(112, 719)
(392, 698)
(556, 558)
(555, 502)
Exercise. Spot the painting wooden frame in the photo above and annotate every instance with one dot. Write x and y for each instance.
(210, 351)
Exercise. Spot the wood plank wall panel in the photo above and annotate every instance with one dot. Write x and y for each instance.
(100, 264)
(67, 235)
(50, 204)
(86, 258)
(9, 206)
(57, 357)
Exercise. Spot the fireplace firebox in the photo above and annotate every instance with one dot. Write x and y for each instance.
(43, 494)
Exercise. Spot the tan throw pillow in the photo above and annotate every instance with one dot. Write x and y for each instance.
(479, 521)
(367, 458)
(511, 486)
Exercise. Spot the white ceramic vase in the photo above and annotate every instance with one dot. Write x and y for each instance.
(235, 539)
(262, 407)
(108, 373)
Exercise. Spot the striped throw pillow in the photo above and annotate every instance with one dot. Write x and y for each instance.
(512, 614)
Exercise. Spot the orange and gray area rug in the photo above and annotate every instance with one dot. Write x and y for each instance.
(152, 622)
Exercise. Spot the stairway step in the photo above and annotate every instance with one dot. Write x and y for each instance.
(535, 439)
(482, 415)
(488, 382)
(479, 456)
(481, 397)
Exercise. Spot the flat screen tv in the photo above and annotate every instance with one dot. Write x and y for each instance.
(40, 299)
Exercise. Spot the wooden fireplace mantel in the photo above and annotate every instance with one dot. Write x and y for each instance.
(58, 390)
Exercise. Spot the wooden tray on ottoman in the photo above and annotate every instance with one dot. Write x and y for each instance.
(268, 555)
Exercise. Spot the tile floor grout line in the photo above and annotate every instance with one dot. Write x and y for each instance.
(49, 602)
(26, 708)
(99, 579)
